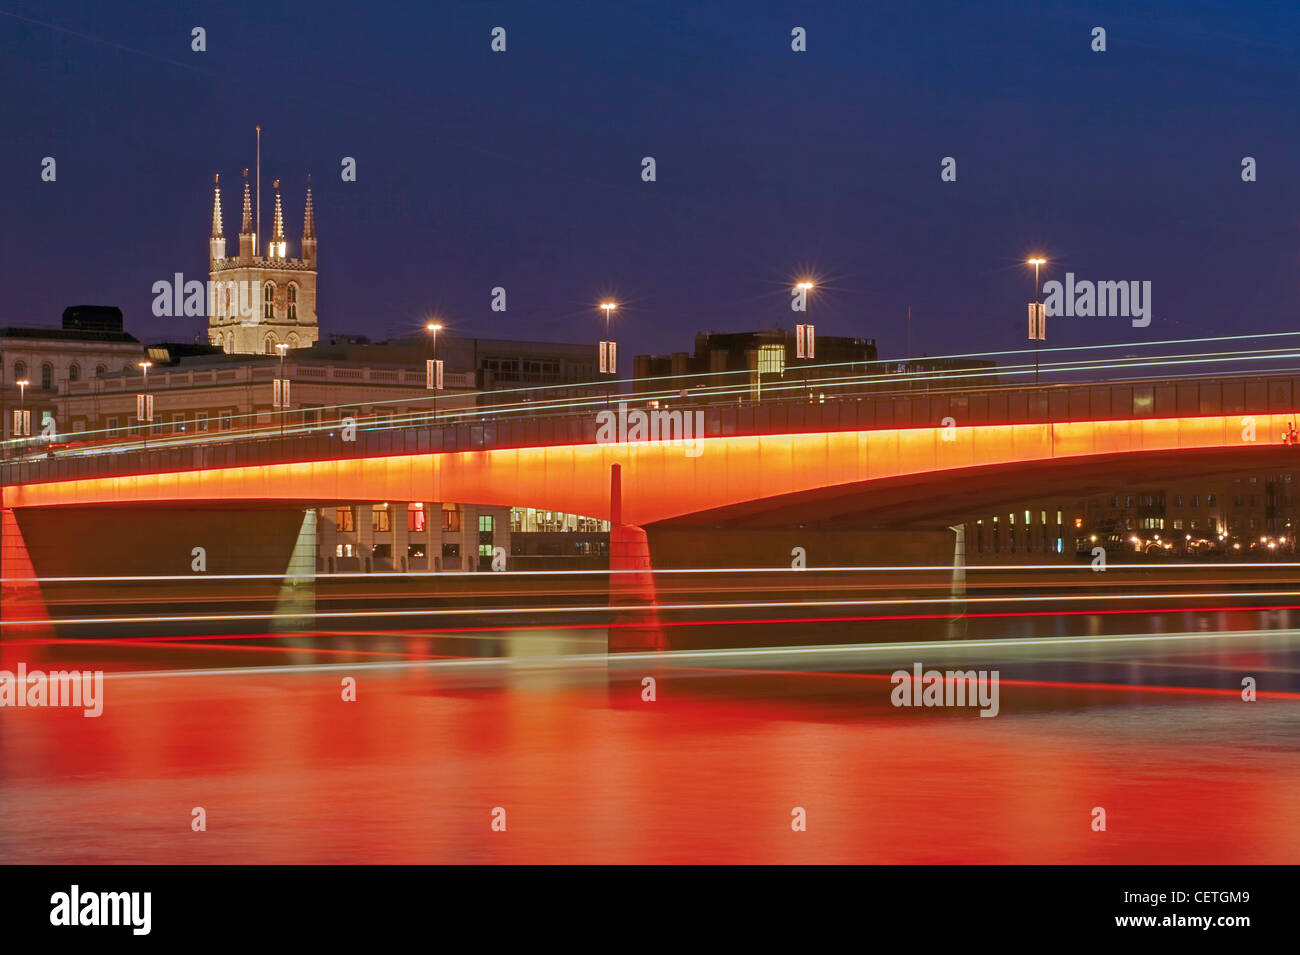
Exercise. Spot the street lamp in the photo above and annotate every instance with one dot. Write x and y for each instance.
(434, 328)
(803, 338)
(608, 350)
(283, 385)
(146, 412)
(22, 384)
(1038, 328)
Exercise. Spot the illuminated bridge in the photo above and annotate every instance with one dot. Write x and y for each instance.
(883, 454)
(884, 460)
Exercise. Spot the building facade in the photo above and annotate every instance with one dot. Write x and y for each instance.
(416, 536)
(89, 344)
(1251, 515)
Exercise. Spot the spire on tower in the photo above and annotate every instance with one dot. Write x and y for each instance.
(309, 230)
(216, 241)
(217, 232)
(246, 228)
(309, 218)
(246, 237)
(278, 245)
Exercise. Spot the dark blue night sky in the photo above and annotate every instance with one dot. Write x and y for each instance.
(522, 169)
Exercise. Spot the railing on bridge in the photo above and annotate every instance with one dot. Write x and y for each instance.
(1160, 398)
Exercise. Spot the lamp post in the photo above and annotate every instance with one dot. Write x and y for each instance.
(806, 286)
(146, 415)
(1039, 330)
(434, 328)
(283, 347)
(22, 384)
(609, 349)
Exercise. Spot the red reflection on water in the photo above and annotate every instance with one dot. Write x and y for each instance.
(710, 772)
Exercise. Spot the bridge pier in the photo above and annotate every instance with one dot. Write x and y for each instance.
(295, 609)
(631, 579)
(20, 593)
(957, 594)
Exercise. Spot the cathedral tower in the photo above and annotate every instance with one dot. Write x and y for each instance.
(261, 301)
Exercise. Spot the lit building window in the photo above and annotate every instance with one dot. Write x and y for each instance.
(450, 518)
(268, 300)
(293, 302)
(380, 520)
(345, 519)
(771, 359)
(415, 517)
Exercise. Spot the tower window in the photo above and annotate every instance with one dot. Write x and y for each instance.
(270, 344)
(293, 302)
(268, 297)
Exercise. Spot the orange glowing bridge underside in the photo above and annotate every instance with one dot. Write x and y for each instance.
(660, 480)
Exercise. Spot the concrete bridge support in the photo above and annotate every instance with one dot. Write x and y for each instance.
(631, 579)
(20, 594)
(296, 607)
(957, 599)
